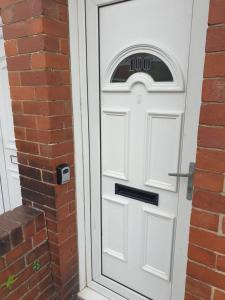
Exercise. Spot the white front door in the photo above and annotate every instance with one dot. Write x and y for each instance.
(138, 60)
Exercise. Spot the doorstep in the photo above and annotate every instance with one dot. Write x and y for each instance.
(89, 294)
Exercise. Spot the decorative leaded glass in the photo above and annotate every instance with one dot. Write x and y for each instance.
(142, 62)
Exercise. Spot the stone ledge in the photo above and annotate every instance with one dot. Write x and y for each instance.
(17, 225)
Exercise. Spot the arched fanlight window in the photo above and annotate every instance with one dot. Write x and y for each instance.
(142, 62)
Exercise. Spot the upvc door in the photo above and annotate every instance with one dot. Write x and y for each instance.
(137, 61)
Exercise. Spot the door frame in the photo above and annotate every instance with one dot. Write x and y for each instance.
(77, 26)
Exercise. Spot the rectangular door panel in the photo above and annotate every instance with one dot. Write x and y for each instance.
(158, 240)
(162, 149)
(115, 139)
(115, 228)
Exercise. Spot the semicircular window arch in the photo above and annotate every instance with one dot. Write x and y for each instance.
(142, 62)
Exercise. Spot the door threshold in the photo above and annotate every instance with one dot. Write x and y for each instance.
(96, 291)
(90, 294)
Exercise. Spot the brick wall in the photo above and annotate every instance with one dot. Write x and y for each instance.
(36, 43)
(37, 50)
(25, 271)
(206, 265)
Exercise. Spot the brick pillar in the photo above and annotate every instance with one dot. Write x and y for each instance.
(206, 265)
(36, 43)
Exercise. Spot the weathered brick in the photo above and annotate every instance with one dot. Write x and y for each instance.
(202, 256)
(208, 181)
(198, 288)
(216, 13)
(211, 137)
(209, 201)
(212, 160)
(206, 275)
(205, 220)
(215, 65)
(215, 39)
(219, 295)
(213, 114)
(213, 90)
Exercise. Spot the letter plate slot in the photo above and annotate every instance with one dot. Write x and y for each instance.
(140, 195)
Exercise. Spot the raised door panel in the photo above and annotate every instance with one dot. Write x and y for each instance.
(115, 143)
(115, 228)
(158, 229)
(163, 131)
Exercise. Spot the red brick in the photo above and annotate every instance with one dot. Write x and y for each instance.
(2, 263)
(220, 264)
(39, 237)
(215, 39)
(223, 225)
(17, 107)
(202, 256)
(50, 9)
(208, 181)
(219, 295)
(48, 60)
(5, 3)
(37, 43)
(25, 121)
(27, 147)
(213, 114)
(63, 13)
(209, 201)
(211, 137)
(40, 222)
(36, 253)
(64, 46)
(29, 230)
(53, 93)
(38, 186)
(11, 48)
(46, 294)
(38, 277)
(206, 275)
(22, 93)
(213, 90)
(14, 79)
(205, 220)
(33, 78)
(18, 252)
(57, 149)
(31, 294)
(212, 160)
(20, 133)
(23, 28)
(18, 293)
(197, 288)
(208, 240)
(215, 65)
(42, 77)
(216, 13)
(54, 122)
(22, 11)
(30, 172)
(55, 28)
(44, 108)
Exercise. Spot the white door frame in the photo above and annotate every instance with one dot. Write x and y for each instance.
(9, 173)
(81, 136)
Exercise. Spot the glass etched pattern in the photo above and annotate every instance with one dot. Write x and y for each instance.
(145, 63)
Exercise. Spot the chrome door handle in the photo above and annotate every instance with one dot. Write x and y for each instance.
(180, 174)
(190, 179)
